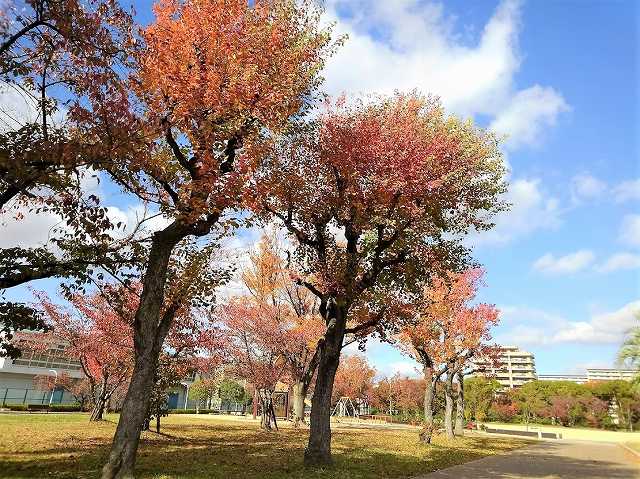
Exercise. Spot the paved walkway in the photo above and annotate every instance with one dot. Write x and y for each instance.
(550, 460)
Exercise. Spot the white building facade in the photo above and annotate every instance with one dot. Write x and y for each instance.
(17, 385)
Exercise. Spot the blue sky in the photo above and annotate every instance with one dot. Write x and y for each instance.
(560, 80)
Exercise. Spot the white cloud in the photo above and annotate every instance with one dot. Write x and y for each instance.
(18, 106)
(548, 329)
(586, 186)
(630, 230)
(21, 228)
(627, 191)
(411, 44)
(620, 261)
(532, 209)
(528, 113)
(570, 263)
(403, 368)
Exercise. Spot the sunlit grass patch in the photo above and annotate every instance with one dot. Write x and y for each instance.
(68, 446)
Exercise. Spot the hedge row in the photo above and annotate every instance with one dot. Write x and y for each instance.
(44, 407)
(192, 411)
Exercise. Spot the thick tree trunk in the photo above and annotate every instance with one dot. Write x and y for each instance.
(299, 395)
(460, 406)
(427, 429)
(268, 415)
(448, 411)
(132, 418)
(149, 333)
(318, 451)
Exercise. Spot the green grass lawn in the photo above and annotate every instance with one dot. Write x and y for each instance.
(68, 446)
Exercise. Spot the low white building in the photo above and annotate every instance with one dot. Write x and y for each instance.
(593, 374)
(602, 374)
(575, 378)
(17, 384)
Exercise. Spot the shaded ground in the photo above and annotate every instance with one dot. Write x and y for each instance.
(67, 446)
(550, 460)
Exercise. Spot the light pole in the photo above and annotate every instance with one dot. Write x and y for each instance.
(186, 396)
(55, 381)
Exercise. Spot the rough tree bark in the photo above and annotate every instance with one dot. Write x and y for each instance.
(459, 431)
(448, 411)
(268, 415)
(301, 388)
(318, 451)
(427, 430)
(149, 334)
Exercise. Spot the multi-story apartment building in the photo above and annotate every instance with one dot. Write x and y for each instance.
(514, 368)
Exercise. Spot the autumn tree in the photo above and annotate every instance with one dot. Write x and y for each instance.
(367, 192)
(208, 78)
(385, 394)
(99, 327)
(53, 55)
(80, 388)
(299, 326)
(472, 342)
(98, 331)
(447, 332)
(254, 348)
(410, 394)
(354, 379)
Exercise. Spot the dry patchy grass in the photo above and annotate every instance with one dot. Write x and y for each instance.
(67, 446)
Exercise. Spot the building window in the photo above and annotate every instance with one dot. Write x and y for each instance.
(53, 358)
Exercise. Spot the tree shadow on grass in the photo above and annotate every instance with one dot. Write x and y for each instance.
(214, 451)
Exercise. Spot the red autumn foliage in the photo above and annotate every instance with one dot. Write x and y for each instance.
(81, 389)
(449, 331)
(368, 191)
(354, 379)
(97, 330)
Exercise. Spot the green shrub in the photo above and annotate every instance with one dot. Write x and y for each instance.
(16, 407)
(191, 411)
(65, 408)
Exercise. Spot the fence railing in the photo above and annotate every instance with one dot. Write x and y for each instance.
(34, 396)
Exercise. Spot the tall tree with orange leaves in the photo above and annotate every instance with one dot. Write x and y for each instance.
(370, 192)
(446, 332)
(208, 78)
